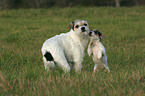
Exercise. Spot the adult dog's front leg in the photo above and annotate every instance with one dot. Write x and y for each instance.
(78, 65)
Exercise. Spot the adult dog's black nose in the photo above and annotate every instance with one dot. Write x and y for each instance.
(83, 29)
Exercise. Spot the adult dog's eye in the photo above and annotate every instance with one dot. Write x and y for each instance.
(85, 24)
(77, 26)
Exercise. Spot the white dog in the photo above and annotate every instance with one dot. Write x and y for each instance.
(67, 47)
(96, 49)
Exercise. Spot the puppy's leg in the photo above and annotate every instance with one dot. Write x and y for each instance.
(106, 66)
(95, 68)
(89, 50)
(105, 63)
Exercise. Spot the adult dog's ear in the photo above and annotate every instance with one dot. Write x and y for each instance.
(71, 25)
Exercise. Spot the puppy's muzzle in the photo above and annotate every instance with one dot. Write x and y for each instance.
(83, 29)
(90, 33)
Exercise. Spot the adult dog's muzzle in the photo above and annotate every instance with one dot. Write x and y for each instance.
(83, 29)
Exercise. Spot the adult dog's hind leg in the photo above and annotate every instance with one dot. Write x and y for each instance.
(46, 64)
(62, 62)
(64, 65)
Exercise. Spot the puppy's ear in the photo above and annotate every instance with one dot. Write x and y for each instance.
(71, 25)
(102, 36)
(97, 32)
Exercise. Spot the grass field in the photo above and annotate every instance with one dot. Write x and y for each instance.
(23, 31)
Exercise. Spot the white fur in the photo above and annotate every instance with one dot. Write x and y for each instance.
(67, 48)
(97, 50)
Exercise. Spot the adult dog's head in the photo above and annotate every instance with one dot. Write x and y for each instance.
(81, 27)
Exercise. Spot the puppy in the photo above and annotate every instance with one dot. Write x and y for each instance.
(67, 48)
(97, 50)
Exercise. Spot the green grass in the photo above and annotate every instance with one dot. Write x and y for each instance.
(23, 31)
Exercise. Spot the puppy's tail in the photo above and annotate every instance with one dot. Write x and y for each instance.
(100, 54)
(48, 60)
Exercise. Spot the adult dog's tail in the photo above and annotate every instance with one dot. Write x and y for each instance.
(48, 56)
(48, 61)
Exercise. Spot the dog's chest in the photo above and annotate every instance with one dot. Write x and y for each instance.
(96, 47)
(73, 51)
(71, 47)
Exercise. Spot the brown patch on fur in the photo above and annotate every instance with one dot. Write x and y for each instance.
(71, 25)
(91, 43)
(81, 23)
(97, 35)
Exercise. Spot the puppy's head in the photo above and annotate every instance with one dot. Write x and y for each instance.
(80, 27)
(95, 34)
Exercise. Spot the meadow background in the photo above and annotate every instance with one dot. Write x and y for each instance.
(23, 31)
